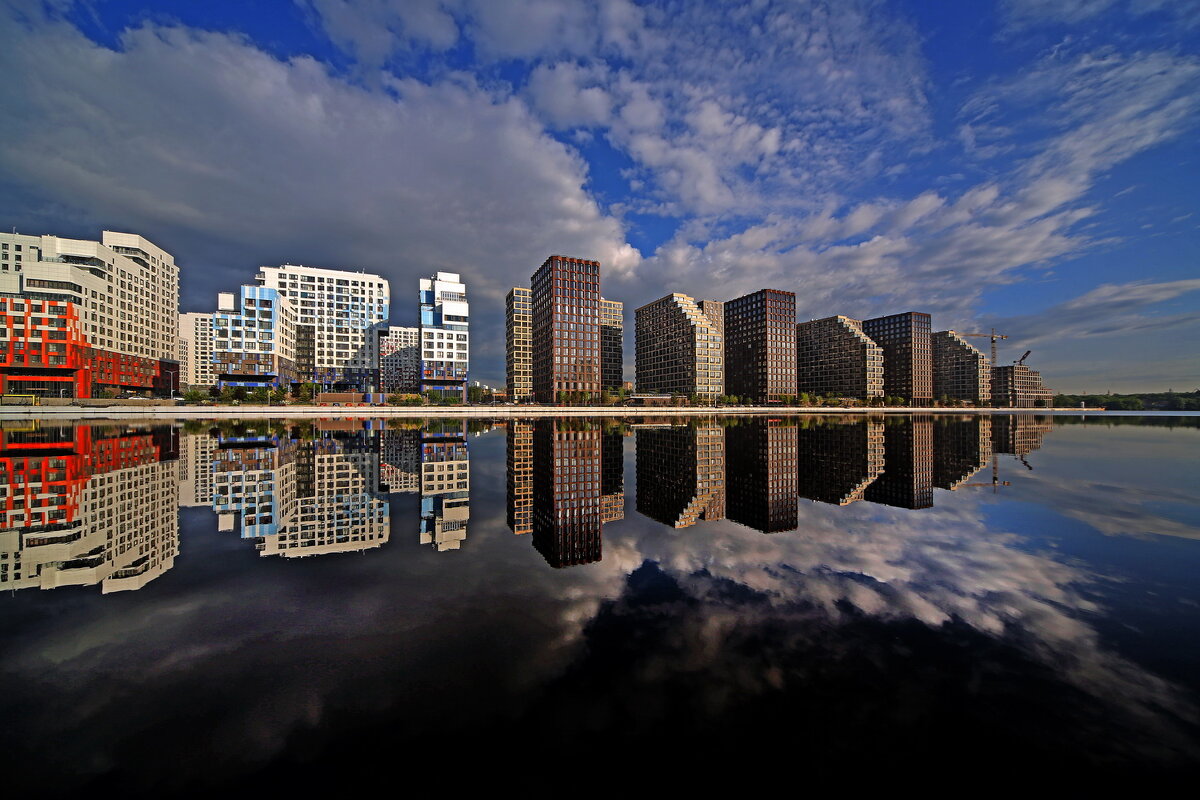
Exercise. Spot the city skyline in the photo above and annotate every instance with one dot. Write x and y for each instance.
(1015, 166)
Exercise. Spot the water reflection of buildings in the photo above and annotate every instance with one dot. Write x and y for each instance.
(1019, 434)
(300, 496)
(681, 473)
(962, 446)
(445, 484)
(838, 457)
(907, 479)
(761, 470)
(519, 482)
(86, 505)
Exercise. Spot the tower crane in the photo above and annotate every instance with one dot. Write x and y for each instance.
(993, 336)
(1021, 360)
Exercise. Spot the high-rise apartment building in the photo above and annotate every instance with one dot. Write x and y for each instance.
(839, 458)
(907, 354)
(962, 446)
(960, 372)
(834, 357)
(679, 349)
(760, 472)
(445, 485)
(567, 518)
(254, 339)
(565, 319)
(196, 350)
(445, 327)
(518, 346)
(86, 505)
(760, 346)
(399, 360)
(612, 351)
(1018, 386)
(78, 317)
(338, 315)
(519, 479)
(681, 473)
(907, 479)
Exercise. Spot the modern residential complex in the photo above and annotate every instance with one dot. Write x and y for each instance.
(907, 479)
(681, 473)
(679, 349)
(839, 458)
(761, 473)
(565, 320)
(196, 351)
(445, 485)
(907, 354)
(567, 519)
(79, 318)
(1018, 386)
(338, 315)
(445, 328)
(835, 358)
(254, 339)
(960, 372)
(84, 505)
(760, 346)
(518, 349)
(612, 351)
(399, 360)
(519, 481)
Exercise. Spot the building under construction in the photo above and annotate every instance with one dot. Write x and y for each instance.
(1018, 386)
(960, 372)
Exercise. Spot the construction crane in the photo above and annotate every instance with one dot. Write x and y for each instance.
(993, 336)
(1021, 360)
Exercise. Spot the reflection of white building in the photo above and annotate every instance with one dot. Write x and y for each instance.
(400, 460)
(300, 498)
(445, 486)
(195, 469)
(81, 509)
(344, 510)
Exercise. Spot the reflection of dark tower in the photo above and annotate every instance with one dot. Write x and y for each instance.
(681, 474)
(761, 475)
(1019, 434)
(961, 447)
(520, 476)
(907, 479)
(838, 459)
(612, 476)
(566, 492)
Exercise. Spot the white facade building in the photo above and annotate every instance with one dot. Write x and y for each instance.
(445, 326)
(399, 360)
(117, 307)
(196, 350)
(338, 316)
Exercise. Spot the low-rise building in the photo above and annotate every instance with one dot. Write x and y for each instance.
(1018, 386)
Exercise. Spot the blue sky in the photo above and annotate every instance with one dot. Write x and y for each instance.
(1025, 165)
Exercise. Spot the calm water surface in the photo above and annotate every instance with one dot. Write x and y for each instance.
(264, 606)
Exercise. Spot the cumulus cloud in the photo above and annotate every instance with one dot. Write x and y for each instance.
(211, 146)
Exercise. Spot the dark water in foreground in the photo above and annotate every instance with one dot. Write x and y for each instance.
(521, 603)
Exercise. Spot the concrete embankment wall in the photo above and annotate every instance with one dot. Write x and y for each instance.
(145, 411)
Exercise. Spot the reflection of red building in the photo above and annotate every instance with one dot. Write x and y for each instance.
(82, 505)
(43, 350)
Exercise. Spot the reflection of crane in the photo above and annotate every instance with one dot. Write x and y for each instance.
(1021, 360)
(996, 482)
(993, 336)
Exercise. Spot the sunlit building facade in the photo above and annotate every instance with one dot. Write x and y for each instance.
(1018, 386)
(196, 351)
(834, 357)
(445, 332)
(760, 346)
(81, 318)
(907, 354)
(254, 339)
(399, 360)
(518, 344)
(960, 371)
(565, 329)
(679, 349)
